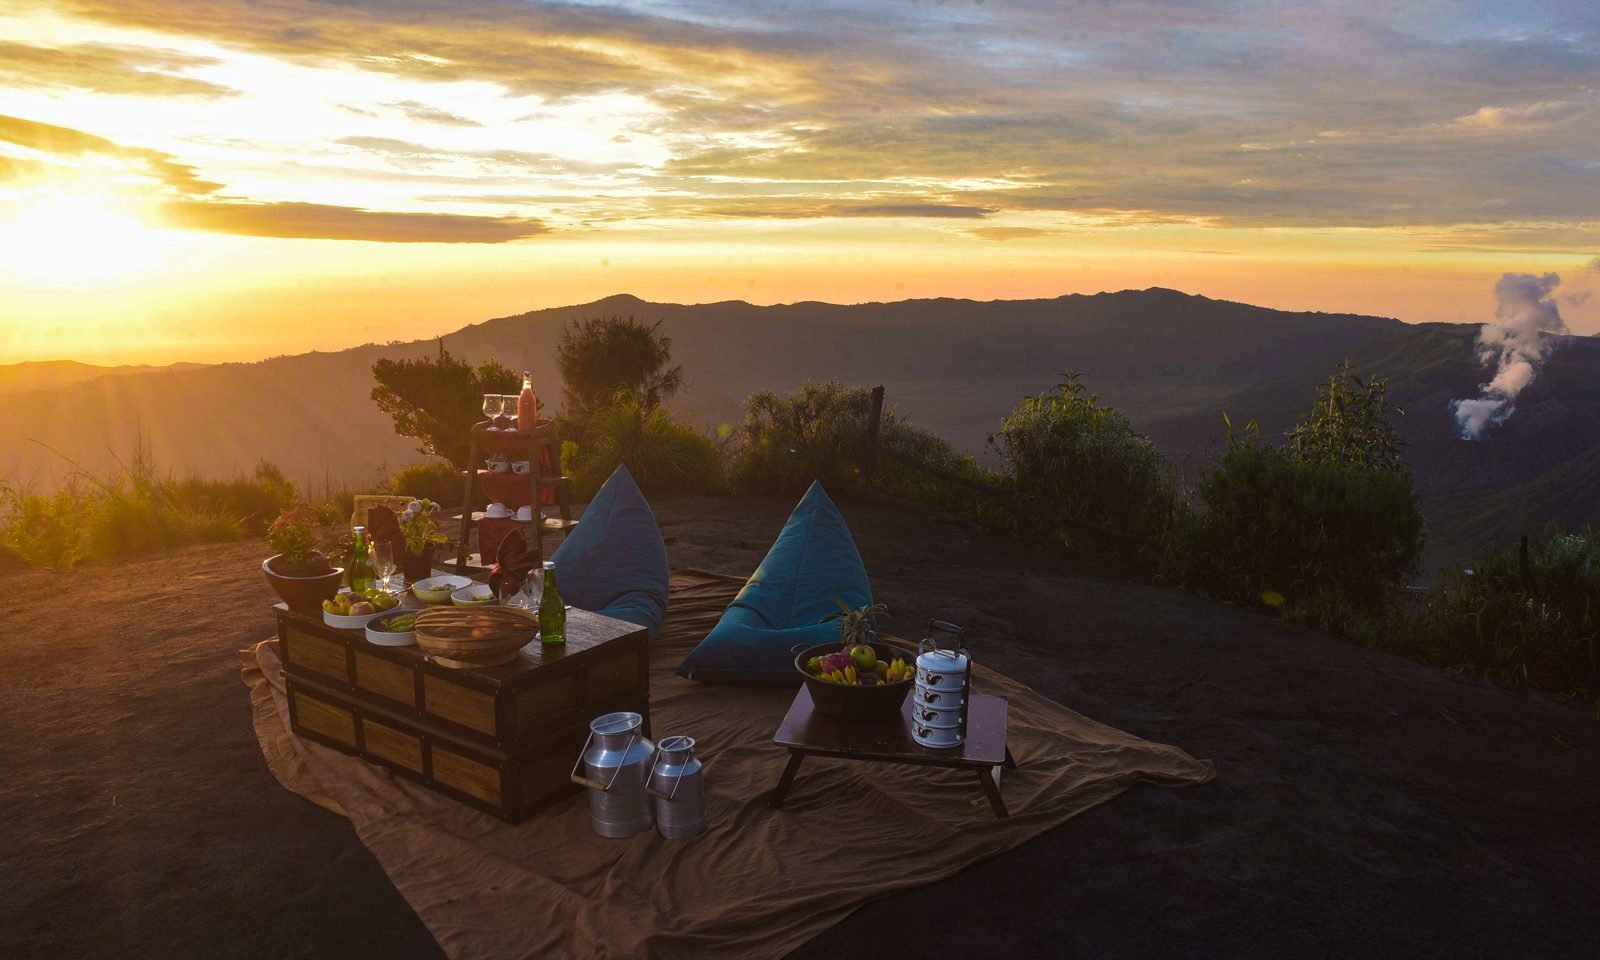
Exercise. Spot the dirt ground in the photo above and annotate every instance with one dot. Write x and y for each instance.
(1364, 805)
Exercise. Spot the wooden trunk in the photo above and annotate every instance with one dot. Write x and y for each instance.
(511, 786)
(603, 666)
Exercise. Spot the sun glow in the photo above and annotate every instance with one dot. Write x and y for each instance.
(62, 236)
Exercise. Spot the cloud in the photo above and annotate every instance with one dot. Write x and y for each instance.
(1528, 115)
(323, 222)
(64, 142)
(1009, 233)
(427, 114)
(108, 69)
(1470, 132)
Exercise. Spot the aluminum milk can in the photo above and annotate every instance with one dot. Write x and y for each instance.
(678, 786)
(616, 761)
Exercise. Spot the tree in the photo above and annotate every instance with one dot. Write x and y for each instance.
(438, 401)
(1349, 424)
(604, 356)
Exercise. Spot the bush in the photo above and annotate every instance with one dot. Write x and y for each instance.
(1082, 476)
(1323, 538)
(1523, 618)
(787, 441)
(438, 481)
(663, 454)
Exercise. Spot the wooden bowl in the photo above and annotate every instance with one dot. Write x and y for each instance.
(475, 636)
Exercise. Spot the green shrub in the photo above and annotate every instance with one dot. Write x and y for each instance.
(787, 441)
(1082, 476)
(663, 454)
(1522, 618)
(438, 481)
(1323, 538)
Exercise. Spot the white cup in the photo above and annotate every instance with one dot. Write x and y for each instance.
(497, 511)
(525, 514)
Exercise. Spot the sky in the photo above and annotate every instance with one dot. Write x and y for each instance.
(239, 179)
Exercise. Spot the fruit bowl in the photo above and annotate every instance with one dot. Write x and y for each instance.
(844, 702)
(438, 589)
(380, 631)
(355, 621)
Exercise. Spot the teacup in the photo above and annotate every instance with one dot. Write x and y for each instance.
(499, 511)
(525, 514)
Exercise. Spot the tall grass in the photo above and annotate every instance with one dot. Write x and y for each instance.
(135, 509)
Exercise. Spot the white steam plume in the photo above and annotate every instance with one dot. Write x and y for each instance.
(1516, 345)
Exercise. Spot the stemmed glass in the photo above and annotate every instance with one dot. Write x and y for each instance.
(508, 410)
(383, 564)
(492, 405)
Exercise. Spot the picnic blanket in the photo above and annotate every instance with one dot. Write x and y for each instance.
(760, 882)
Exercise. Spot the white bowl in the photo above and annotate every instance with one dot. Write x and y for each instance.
(497, 466)
(353, 623)
(520, 467)
(438, 589)
(476, 595)
(503, 513)
(389, 638)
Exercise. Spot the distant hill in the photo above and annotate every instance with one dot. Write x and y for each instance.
(50, 374)
(1171, 361)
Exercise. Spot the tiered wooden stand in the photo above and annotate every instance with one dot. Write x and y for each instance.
(502, 739)
(543, 485)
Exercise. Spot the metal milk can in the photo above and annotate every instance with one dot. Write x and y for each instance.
(678, 786)
(616, 761)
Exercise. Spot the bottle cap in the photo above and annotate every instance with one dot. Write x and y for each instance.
(549, 564)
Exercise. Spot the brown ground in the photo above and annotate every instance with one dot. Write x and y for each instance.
(1364, 806)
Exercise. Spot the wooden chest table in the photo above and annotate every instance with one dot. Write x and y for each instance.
(808, 733)
(500, 738)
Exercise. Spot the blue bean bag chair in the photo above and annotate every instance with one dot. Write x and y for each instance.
(783, 603)
(615, 562)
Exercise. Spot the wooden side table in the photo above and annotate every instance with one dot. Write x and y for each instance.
(807, 733)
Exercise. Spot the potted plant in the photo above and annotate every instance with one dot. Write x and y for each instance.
(857, 678)
(422, 536)
(298, 572)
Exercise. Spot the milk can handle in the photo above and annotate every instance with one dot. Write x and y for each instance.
(652, 775)
(596, 784)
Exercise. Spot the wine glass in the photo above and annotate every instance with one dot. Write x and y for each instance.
(508, 410)
(492, 404)
(383, 563)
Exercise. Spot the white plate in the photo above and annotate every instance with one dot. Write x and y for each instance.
(476, 595)
(384, 638)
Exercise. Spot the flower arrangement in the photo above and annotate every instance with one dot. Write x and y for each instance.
(294, 534)
(418, 527)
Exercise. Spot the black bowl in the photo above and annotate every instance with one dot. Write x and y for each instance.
(844, 702)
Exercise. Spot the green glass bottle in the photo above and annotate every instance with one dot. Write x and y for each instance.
(552, 612)
(361, 576)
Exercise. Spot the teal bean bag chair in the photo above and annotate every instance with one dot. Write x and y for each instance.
(783, 603)
(614, 562)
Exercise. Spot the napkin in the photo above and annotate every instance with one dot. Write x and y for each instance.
(515, 560)
(384, 527)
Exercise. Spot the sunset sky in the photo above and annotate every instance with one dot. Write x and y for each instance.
(243, 178)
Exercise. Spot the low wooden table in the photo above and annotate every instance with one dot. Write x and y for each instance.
(500, 738)
(807, 733)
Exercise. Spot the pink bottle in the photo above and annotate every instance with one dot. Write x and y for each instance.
(527, 406)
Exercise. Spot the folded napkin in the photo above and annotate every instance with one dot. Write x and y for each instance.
(515, 560)
(384, 527)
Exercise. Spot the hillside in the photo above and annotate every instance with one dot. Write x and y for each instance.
(53, 374)
(1172, 362)
(956, 366)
